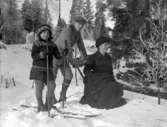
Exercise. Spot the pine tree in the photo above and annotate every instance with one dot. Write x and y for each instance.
(88, 15)
(36, 14)
(155, 45)
(129, 18)
(46, 15)
(100, 29)
(11, 27)
(1, 19)
(26, 16)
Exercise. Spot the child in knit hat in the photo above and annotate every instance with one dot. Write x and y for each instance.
(45, 48)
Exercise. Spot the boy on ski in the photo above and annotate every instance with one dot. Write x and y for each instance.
(42, 54)
(69, 37)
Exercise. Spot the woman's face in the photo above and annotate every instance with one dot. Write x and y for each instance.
(45, 35)
(105, 47)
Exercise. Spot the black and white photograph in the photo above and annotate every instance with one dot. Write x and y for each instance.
(83, 63)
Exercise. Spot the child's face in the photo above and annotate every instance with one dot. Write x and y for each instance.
(45, 35)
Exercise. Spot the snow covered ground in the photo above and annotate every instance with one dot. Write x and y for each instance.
(15, 62)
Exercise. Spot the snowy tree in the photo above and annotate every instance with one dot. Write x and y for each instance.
(100, 29)
(129, 17)
(26, 16)
(11, 28)
(87, 13)
(36, 14)
(46, 14)
(1, 21)
(151, 45)
(135, 23)
(156, 47)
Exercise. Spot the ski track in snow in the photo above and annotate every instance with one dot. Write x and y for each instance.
(140, 110)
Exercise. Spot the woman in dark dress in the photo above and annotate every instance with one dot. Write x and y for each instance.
(101, 90)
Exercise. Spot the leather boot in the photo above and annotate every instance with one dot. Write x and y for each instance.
(54, 100)
(63, 93)
(40, 105)
(49, 104)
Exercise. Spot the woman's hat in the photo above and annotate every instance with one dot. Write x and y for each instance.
(102, 40)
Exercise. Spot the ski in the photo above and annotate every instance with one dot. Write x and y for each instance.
(70, 116)
(74, 113)
(61, 112)
(28, 106)
(69, 111)
(22, 108)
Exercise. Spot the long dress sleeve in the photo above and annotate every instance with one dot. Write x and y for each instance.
(89, 66)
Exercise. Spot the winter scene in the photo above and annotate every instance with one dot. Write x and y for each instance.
(83, 63)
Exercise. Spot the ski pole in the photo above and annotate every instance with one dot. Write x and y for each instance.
(65, 62)
(75, 51)
(159, 97)
(82, 75)
(47, 77)
(76, 77)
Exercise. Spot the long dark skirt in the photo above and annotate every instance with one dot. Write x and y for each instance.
(102, 91)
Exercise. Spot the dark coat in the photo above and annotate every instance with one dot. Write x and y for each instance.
(101, 90)
(39, 65)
